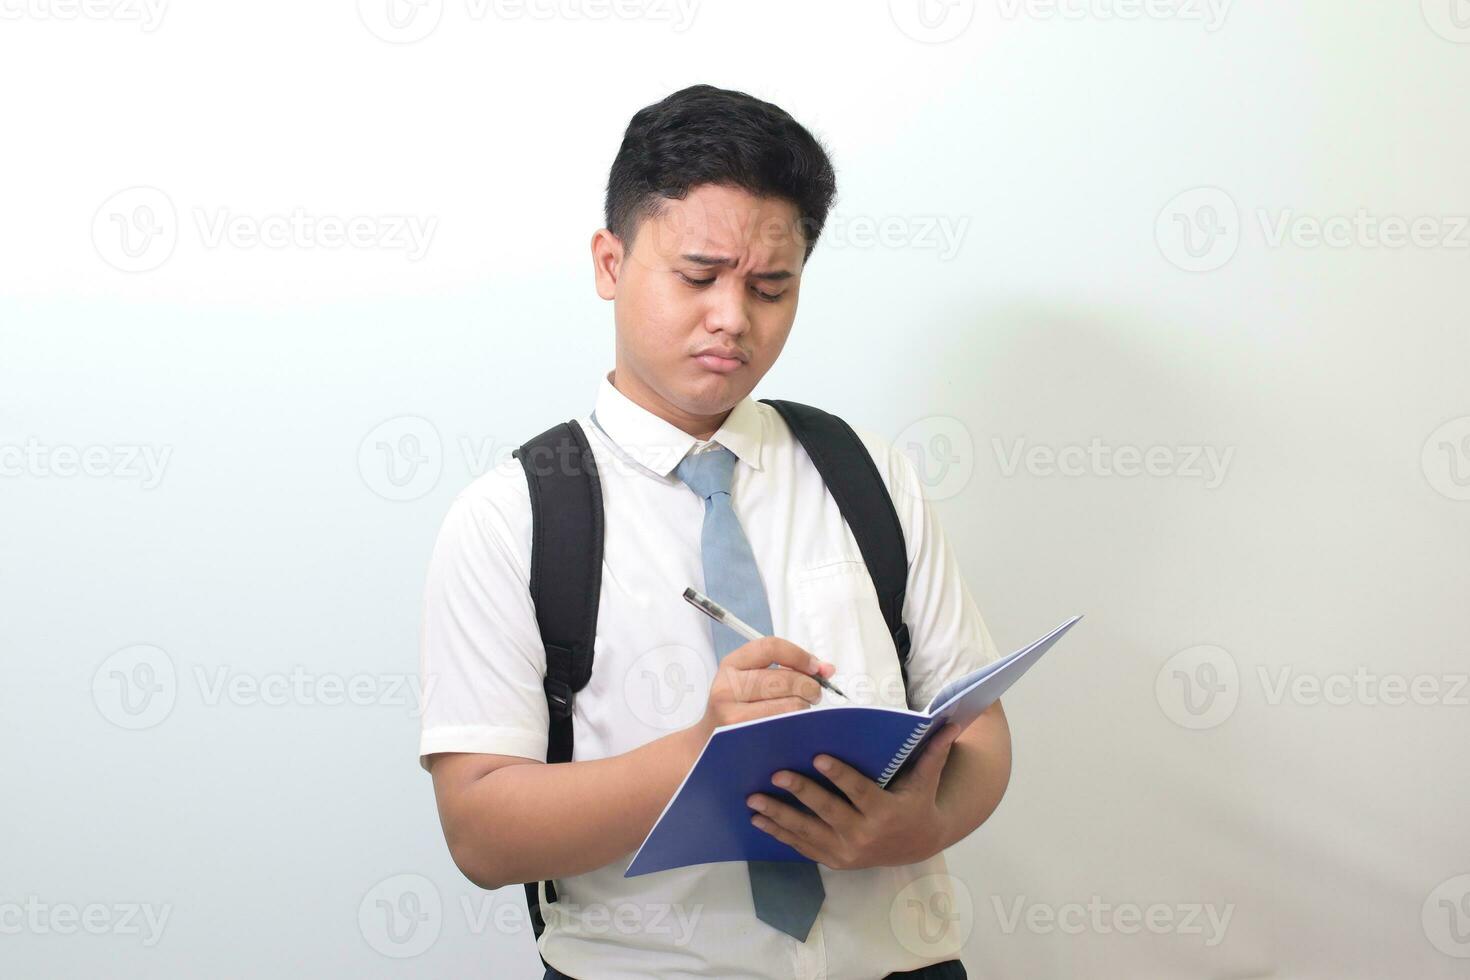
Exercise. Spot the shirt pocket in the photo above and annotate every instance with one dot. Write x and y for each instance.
(838, 605)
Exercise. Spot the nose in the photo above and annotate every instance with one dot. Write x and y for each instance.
(727, 310)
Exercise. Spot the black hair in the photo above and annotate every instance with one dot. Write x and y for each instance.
(707, 135)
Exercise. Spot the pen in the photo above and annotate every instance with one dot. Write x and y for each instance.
(720, 614)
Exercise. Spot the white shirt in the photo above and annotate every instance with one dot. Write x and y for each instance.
(653, 663)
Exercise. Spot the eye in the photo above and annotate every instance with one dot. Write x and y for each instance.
(767, 297)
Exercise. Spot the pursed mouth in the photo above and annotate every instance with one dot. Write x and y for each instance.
(719, 362)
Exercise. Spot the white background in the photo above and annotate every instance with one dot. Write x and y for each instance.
(311, 409)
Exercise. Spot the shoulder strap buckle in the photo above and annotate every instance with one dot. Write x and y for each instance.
(559, 697)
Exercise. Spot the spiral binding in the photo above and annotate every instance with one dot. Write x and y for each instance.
(909, 745)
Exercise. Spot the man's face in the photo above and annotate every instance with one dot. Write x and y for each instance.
(717, 271)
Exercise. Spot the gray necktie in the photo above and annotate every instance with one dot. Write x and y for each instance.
(786, 894)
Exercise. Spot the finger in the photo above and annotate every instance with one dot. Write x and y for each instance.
(773, 649)
(931, 761)
(759, 684)
(775, 706)
(833, 811)
(803, 847)
(792, 818)
(803, 683)
(860, 791)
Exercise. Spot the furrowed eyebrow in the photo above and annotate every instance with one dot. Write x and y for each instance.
(777, 275)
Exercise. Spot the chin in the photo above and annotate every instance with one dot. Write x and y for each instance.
(713, 393)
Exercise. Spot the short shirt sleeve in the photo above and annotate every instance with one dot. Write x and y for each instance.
(480, 654)
(947, 635)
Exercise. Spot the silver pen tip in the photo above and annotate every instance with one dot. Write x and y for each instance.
(705, 603)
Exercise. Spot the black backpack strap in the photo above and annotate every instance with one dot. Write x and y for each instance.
(566, 581)
(854, 482)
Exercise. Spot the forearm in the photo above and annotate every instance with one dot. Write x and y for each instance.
(975, 776)
(533, 821)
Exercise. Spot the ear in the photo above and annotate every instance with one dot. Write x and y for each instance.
(607, 262)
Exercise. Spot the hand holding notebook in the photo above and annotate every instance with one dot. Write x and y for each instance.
(707, 819)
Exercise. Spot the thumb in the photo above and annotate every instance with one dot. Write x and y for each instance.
(931, 761)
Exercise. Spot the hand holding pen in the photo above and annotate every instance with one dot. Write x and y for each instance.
(811, 668)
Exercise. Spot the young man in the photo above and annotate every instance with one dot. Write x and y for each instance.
(714, 203)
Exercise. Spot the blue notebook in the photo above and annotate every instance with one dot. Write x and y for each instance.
(707, 820)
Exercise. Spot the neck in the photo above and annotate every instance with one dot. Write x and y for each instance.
(698, 426)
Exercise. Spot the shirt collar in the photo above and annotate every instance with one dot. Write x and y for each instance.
(659, 445)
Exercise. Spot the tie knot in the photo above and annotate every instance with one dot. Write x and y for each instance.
(709, 472)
